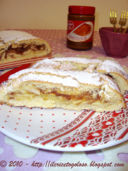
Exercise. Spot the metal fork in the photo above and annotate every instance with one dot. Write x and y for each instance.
(123, 20)
(113, 19)
(126, 28)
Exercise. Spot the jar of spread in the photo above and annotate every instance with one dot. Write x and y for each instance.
(80, 27)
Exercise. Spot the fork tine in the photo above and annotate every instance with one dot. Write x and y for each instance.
(124, 14)
(127, 15)
(115, 14)
(126, 28)
(110, 14)
(123, 20)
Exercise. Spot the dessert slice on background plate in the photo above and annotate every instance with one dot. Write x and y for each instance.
(19, 47)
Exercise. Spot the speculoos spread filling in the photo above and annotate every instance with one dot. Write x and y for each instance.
(22, 48)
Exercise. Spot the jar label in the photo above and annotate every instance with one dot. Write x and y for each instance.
(80, 31)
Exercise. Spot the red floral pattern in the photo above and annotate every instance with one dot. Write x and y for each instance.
(90, 129)
(93, 135)
(101, 129)
(108, 123)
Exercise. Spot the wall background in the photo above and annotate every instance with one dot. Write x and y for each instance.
(52, 14)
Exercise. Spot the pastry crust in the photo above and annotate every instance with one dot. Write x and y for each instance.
(17, 45)
(66, 82)
(116, 72)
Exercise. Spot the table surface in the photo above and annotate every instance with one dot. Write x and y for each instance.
(16, 156)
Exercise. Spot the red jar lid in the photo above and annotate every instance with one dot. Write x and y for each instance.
(86, 10)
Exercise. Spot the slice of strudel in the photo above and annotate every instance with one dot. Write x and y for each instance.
(19, 45)
(68, 83)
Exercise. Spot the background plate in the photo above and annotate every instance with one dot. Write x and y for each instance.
(20, 62)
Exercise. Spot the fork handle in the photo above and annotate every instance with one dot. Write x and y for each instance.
(114, 28)
(120, 30)
(125, 30)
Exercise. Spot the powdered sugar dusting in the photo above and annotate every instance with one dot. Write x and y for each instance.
(93, 64)
(69, 59)
(64, 77)
(15, 36)
(80, 76)
(66, 81)
(111, 66)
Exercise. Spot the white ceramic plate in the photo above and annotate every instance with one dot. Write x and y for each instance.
(62, 130)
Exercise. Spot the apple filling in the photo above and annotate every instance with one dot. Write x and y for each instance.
(47, 96)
